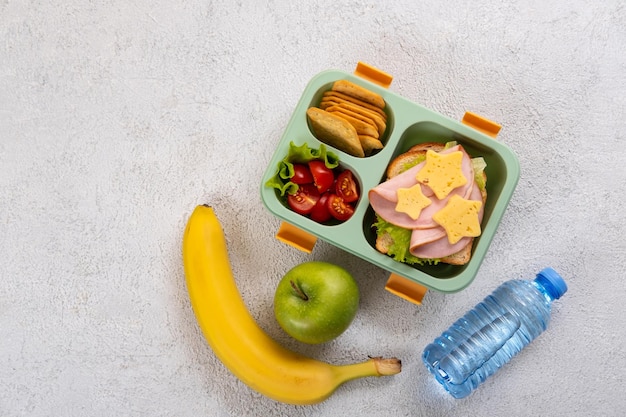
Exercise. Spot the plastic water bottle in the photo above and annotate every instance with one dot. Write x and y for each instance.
(489, 335)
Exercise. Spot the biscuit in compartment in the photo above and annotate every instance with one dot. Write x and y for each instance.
(348, 112)
(343, 98)
(370, 144)
(354, 90)
(335, 131)
(362, 128)
(362, 113)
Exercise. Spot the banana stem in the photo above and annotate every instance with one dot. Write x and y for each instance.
(377, 366)
(387, 366)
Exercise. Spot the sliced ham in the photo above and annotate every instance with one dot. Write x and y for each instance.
(384, 204)
(439, 248)
(424, 246)
(383, 198)
(389, 189)
(421, 237)
(425, 220)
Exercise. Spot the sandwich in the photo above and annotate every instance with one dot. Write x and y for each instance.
(429, 209)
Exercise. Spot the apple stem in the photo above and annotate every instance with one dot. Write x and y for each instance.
(299, 291)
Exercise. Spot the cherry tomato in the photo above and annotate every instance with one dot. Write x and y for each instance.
(301, 174)
(320, 212)
(323, 176)
(346, 187)
(338, 208)
(303, 200)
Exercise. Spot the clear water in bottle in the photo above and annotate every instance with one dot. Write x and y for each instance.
(494, 331)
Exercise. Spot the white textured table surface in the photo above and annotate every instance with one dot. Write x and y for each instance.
(117, 118)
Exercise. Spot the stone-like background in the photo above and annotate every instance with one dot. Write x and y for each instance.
(118, 117)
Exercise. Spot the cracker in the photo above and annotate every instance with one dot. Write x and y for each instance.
(328, 101)
(373, 116)
(342, 98)
(354, 90)
(356, 115)
(335, 131)
(370, 144)
(361, 127)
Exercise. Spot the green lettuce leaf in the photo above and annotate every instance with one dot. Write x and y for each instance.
(298, 155)
(479, 165)
(401, 237)
(414, 162)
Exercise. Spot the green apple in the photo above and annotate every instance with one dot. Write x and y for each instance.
(316, 301)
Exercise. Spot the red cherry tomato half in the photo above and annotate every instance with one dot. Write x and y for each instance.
(338, 208)
(303, 200)
(323, 176)
(301, 174)
(320, 212)
(346, 187)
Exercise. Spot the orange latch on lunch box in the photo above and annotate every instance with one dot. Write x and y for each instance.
(405, 288)
(373, 74)
(481, 124)
(294, 236)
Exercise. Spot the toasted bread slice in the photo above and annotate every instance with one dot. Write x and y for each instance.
(410, 158)
(383, 242)
(400, 164)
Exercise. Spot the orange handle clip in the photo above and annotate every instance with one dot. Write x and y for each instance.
(481, 124)
(373, 74)
(405, 288)
(296, 237)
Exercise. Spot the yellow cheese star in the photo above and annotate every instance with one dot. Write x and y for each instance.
(459, 218)
(411, 201)
(442, 173)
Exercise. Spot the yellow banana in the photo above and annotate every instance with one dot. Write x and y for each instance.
(233, 334)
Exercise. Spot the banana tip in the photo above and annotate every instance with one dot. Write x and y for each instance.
(387, 366)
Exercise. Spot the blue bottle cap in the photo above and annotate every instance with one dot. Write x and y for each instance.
(552, 282)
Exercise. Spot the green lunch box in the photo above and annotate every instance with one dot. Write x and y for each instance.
(408, 124)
